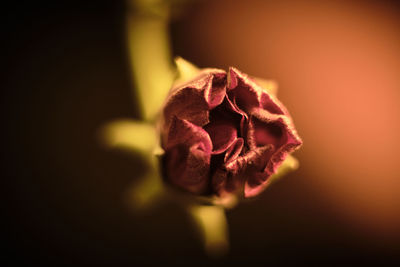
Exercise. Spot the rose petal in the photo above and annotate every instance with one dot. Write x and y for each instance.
(221, 177)
(261, 133)
(279, 156)
(215, 93)
(194, 99)
(248, 93)
(270, 103)
(277, 130)
(188, 153)
(243, 116)
(284, 120)
(222, 134)
(224, 182)
(241, 90)
(232, 106)
(185, 133)
(255, 159)
(258, 181)
(188, 103)
(188, 168)
(222, 127)
(232, 175)
(234, 150)
(256, 185)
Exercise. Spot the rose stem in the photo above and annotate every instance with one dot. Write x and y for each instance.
(149, 52)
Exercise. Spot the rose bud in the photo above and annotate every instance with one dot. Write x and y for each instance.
(223, 134)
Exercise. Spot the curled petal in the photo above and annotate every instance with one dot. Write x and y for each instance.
(223, 179)
(255, 159)
(188, 103)
(277, 130)
(256, 184)
(285, 122)
(233, 174)
(225, 183)
(188, 154)
(234, 150)
(222, 134)
(271, 104)
(243, 116)
(279, 156)
(193, 100)
(188, 168)
(223, 127)
(261, 133)
(242, 91)
(183, 132)
(214, 94)
(246, 93)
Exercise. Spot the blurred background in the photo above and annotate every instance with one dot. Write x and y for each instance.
(67, 73)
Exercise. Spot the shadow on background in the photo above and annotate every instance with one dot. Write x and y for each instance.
(337, 65)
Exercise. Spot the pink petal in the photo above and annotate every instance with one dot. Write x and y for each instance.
(223, 180)
(277, 130)
(233, 174)
(188, 153)
(222, 128)
(255, 159)
(243, 119)
(271, 104)
(193, 100)
(261, 133)
(234, 150)
(243, 92)
(293, 143)
(187, 103)
(222, 134)
(188, 168)
(185, 133)
(215, 92)
(256, 185)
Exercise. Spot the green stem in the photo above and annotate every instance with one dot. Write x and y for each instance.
(150, 56)
(212, 225)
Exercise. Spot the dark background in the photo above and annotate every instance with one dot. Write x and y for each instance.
(66, 74)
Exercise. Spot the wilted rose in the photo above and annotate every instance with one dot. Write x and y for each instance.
(223, 133)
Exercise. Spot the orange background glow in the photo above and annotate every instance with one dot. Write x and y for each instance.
(337, 64)
(338, 68)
